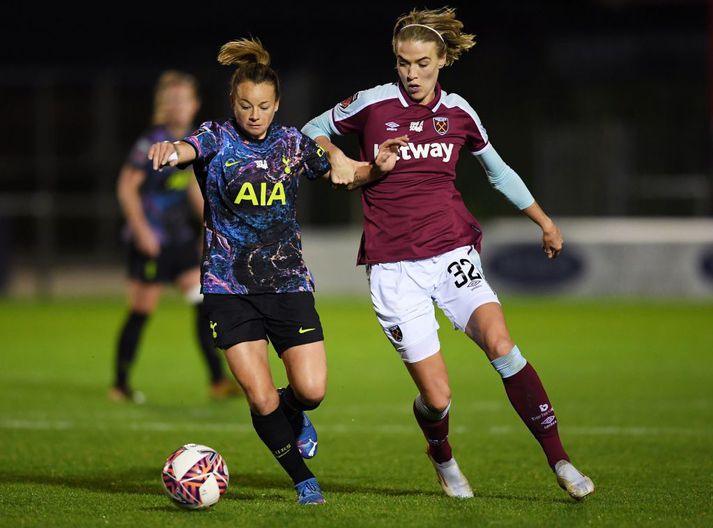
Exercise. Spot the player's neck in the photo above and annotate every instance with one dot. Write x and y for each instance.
(430, 97)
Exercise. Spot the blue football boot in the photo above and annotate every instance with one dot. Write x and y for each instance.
(308, 492)
(307, 439)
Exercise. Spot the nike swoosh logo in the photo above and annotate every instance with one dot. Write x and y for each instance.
(229, 164)
(305, 330)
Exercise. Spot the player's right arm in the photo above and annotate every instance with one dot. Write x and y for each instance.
(346, 171)
(127, 190)
(349, 116)
(202, 145)
(353, 174)
(171, 153)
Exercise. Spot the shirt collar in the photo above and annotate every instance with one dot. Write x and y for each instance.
(407, 101)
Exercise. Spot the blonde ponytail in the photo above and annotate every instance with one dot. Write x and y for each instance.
(252, 61)
(243, 52)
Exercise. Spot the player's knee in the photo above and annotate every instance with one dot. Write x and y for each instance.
(437, 401)
(262, 402)
(144, 308)
(311, 395)
(499, 346)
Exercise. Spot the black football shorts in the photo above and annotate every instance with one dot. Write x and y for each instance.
(285, 319)
(173, 260)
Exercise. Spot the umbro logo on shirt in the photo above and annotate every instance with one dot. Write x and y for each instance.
(391, 126)
(444, 151)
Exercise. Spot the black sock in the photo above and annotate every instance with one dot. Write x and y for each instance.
(276, 433)
(292, 407)
(205, 338)
(126, 348)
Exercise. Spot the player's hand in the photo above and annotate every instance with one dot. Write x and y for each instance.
(162, 154)
(552, 240)
(388, 153)
(343, 169)
(148, 243)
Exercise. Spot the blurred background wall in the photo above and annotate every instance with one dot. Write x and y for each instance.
(602, 106)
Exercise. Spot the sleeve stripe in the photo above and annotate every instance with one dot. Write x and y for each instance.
(479, 152)
(333, 124)
(365, 99)
(454, 100)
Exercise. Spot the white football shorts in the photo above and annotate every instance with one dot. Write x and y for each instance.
(403, 293)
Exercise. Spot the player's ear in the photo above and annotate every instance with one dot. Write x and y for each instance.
(277, 105)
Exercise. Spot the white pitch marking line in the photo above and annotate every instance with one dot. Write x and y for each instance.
(36, 424)
(64, 425)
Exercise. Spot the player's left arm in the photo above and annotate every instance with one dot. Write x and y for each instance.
(552, 241)
(316, 160)
(503, 178)
(323, 127)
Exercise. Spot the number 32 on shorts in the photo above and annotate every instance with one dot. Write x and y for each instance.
(470, 276)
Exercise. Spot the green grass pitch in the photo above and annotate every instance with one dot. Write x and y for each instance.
(632, 384)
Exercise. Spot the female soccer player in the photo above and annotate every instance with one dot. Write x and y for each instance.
(160, 208)
(421, 244)
(256, 285)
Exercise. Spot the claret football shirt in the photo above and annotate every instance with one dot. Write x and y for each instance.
(415, 211)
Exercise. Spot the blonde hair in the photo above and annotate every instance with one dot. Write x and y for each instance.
(166, 80)
(252, 61)
(442, 28)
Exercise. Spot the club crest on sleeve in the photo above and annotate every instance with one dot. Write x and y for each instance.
(396, 333)
(349, 100)
(440, 124)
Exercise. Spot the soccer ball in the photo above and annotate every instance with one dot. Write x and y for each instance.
(195, 476)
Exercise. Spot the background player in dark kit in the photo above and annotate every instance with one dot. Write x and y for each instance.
(161, 209)
(421, 244)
